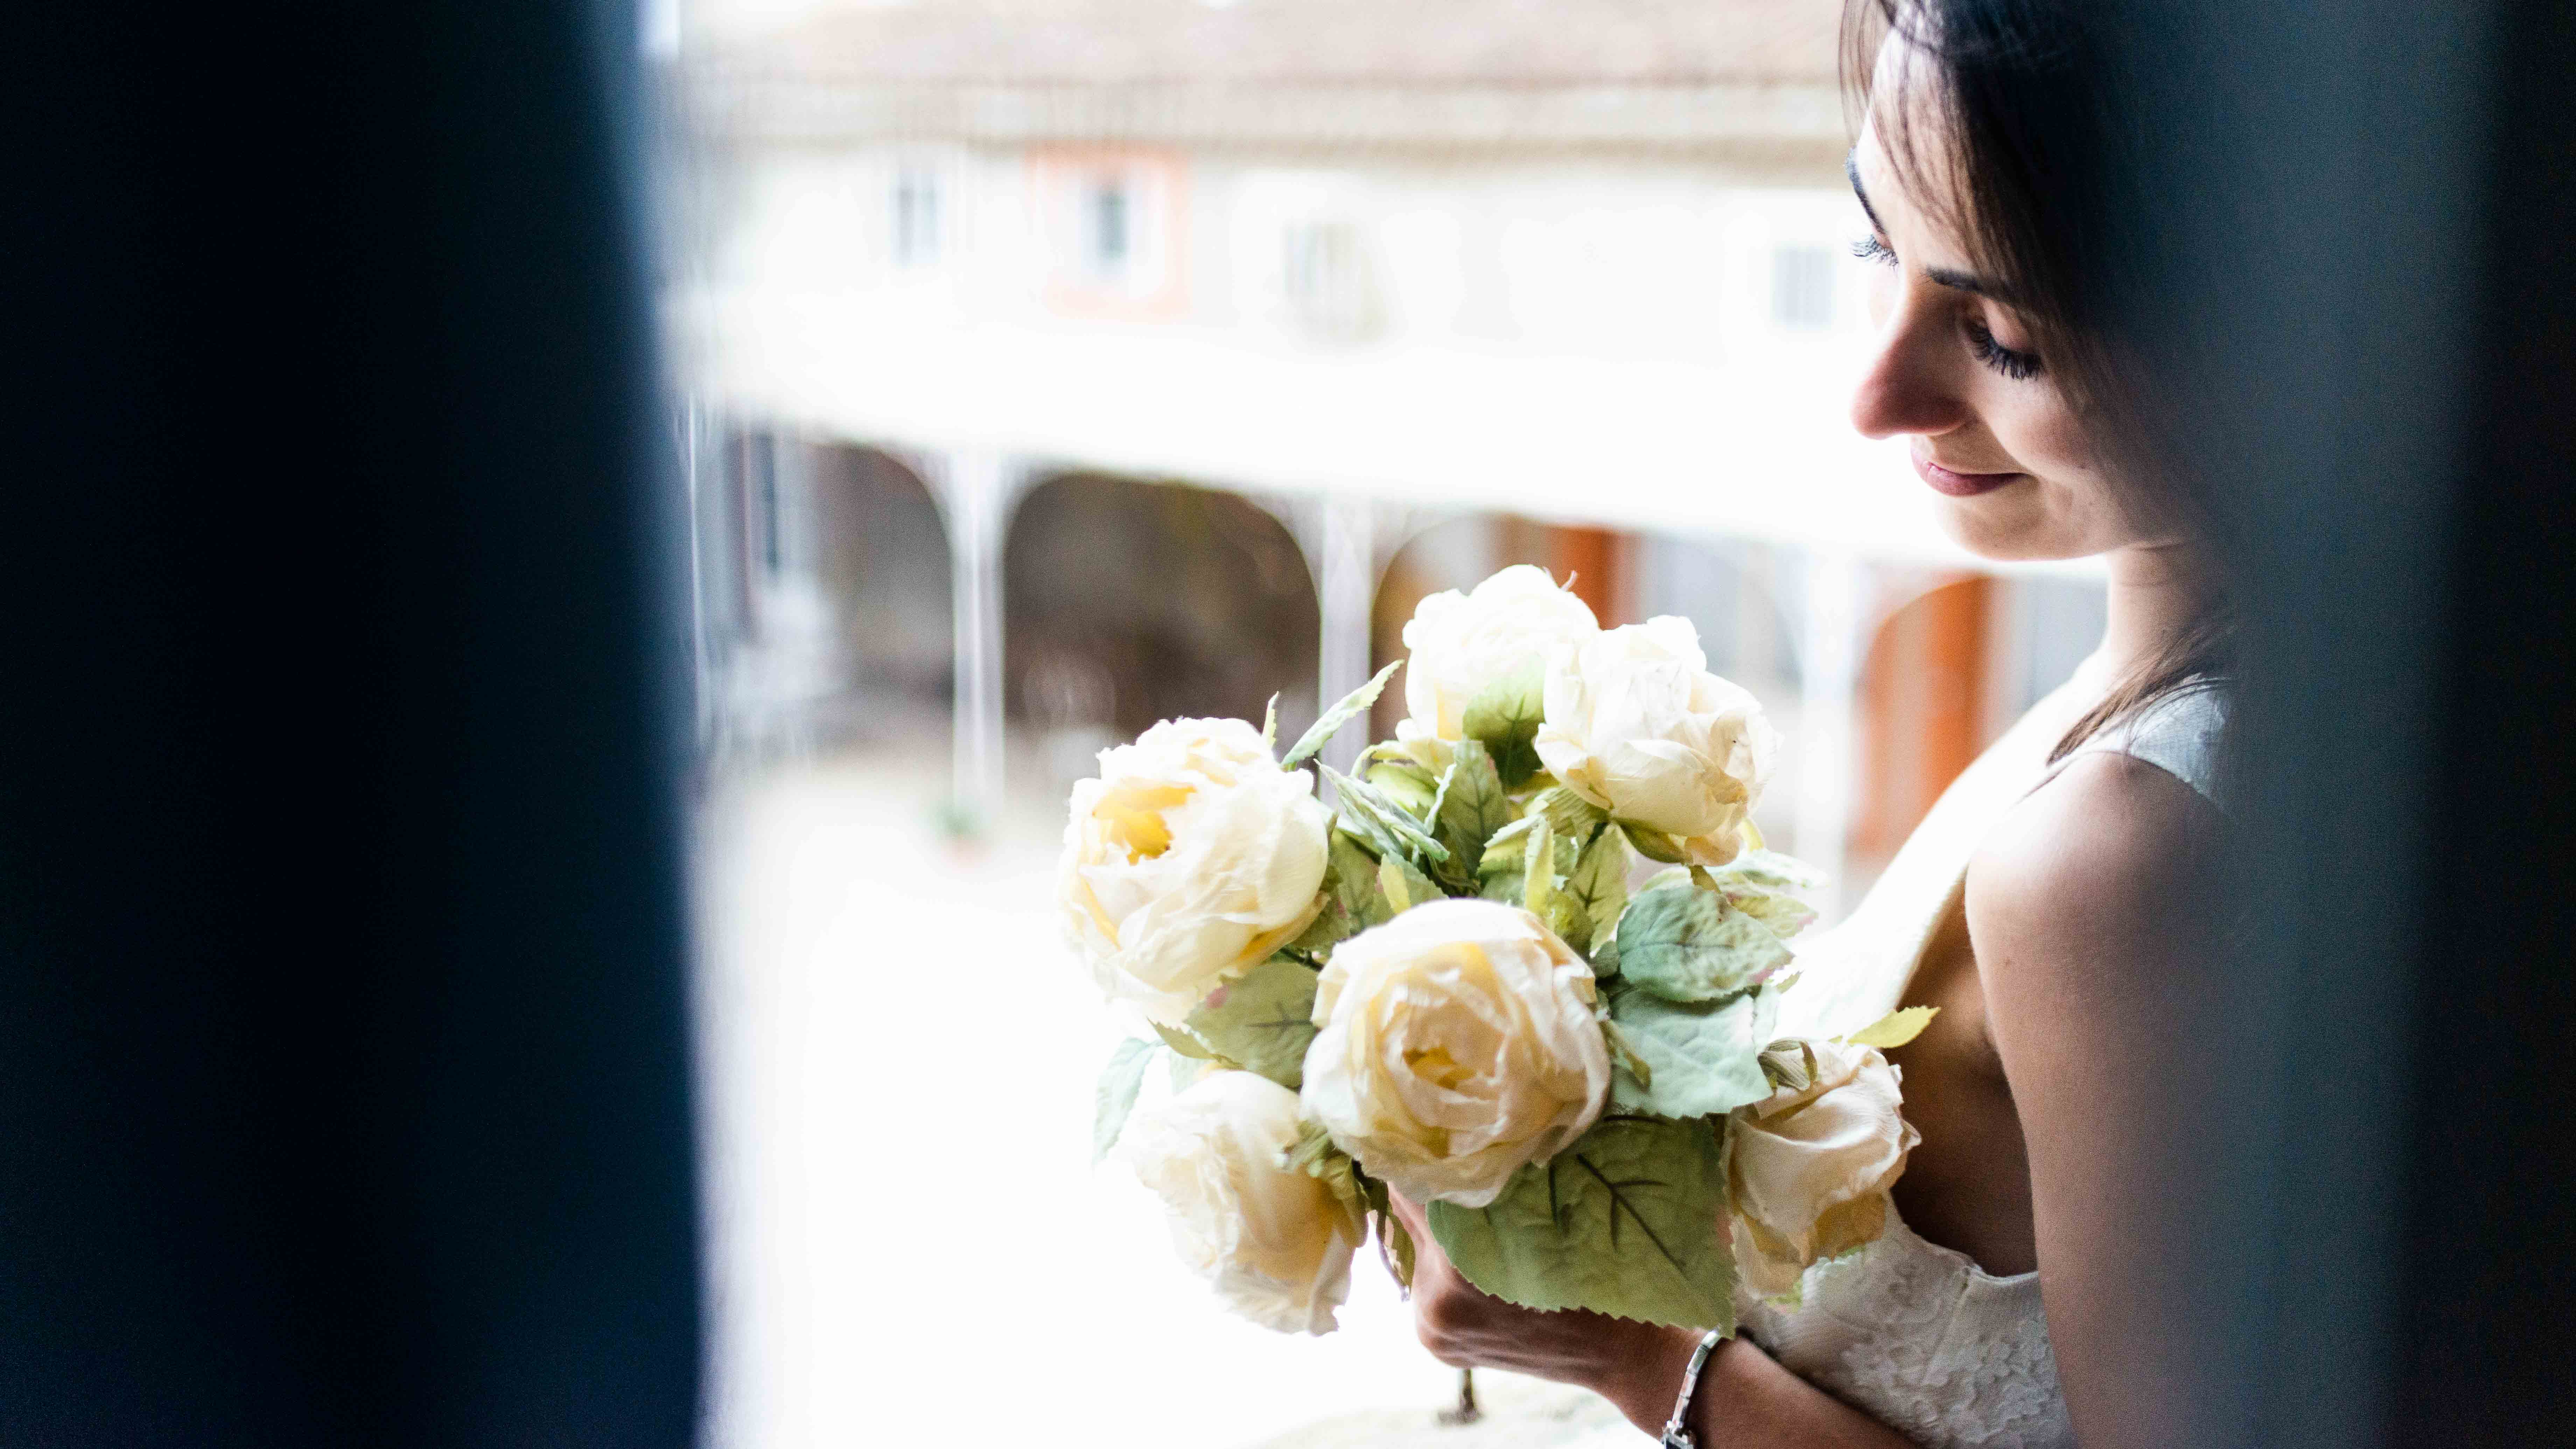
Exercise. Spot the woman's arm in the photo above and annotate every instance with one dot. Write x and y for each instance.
(2089, 909)
(1744, 1398)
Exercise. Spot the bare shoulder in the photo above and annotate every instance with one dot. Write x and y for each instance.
(2097, 870)
(2090, 912)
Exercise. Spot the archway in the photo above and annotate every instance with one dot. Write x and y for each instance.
(822, 601)
(1128, 602)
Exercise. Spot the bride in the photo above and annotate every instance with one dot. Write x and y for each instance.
(2035, 906)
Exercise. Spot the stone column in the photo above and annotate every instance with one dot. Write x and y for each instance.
(975, 491)
(1346, 598)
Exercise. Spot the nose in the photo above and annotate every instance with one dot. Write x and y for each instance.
(1912, 385)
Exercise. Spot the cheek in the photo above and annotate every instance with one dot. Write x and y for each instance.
(2081, 513)
(2047, 437)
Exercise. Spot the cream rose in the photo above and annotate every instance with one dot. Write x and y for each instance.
(1458, 1042)
(1638, 726)
(1808, 1171)
(1187, 861)
(1460, 643)
(1275, 1240)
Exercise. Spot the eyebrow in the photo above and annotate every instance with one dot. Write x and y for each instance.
(1959, 281)
(1950, 277)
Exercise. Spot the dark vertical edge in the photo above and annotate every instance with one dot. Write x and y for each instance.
(2485, 1333)
(2308, 275)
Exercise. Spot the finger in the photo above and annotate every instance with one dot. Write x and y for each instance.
(1416, 1221)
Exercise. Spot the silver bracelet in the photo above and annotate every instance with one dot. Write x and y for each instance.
(1677, 1434)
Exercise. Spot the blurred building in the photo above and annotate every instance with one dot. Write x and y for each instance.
(1400, 292)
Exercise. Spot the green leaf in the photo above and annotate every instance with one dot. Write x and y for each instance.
(1695, 945)
(1564, 915)
(1783, 915)
(1262, 1020)
(1599, 884)
(1624, 1056)
(1395, 1241)
(1627, 1221)
(1115, 1096)
(1352, 903)
(1701, 1057)
(1549, 862)
(1538, 869)
(1653, 844)
(1772, 889)
(1499, 871)
(1771, 871)
(1423, 888)
(1376, 841)
(1409, 786)
(1314, 1154)
(1181, 1041)
(1383, 819)
(1570, 815)
(1270, 724)
(1392, 884)
(1352, 706)
(1308, 1152)
(1472, 805)
(1895, 1029)
(1789, 1064)
(1504, 717)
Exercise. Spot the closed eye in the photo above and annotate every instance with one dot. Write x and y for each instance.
(2012, 362)
(1871, 249)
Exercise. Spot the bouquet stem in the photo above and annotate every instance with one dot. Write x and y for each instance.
(1466, 1412)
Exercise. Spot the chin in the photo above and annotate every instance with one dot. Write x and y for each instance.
(2014, 525)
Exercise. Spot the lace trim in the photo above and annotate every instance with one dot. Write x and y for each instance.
(1921, 1338)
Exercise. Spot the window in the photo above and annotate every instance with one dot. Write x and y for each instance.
(916, 218)
(1114, 223)
(1802, 288)
(1108, 222)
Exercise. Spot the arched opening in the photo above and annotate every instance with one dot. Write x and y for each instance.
(823, 600)
(1129, 602)
(882, 556)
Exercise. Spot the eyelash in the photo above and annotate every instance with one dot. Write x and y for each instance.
(2012, 364)
(1982, 345)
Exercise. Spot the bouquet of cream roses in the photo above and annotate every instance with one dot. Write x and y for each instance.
(1468, 982)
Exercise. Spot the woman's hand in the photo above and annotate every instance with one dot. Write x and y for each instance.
(1636, 1366)
(1743, 1396)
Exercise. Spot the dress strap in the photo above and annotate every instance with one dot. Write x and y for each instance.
(2179, 734)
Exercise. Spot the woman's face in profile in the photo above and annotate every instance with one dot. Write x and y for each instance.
(1957, 371)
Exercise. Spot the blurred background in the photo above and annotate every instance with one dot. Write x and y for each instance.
(1045, 368)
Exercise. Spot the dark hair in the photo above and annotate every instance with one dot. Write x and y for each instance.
(2018, 90)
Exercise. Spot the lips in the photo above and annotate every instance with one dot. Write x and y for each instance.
(1957, 484)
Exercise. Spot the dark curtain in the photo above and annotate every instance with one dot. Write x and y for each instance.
(343, 1077)
(2353, 278)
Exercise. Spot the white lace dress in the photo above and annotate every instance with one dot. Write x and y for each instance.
(1914, 1334)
